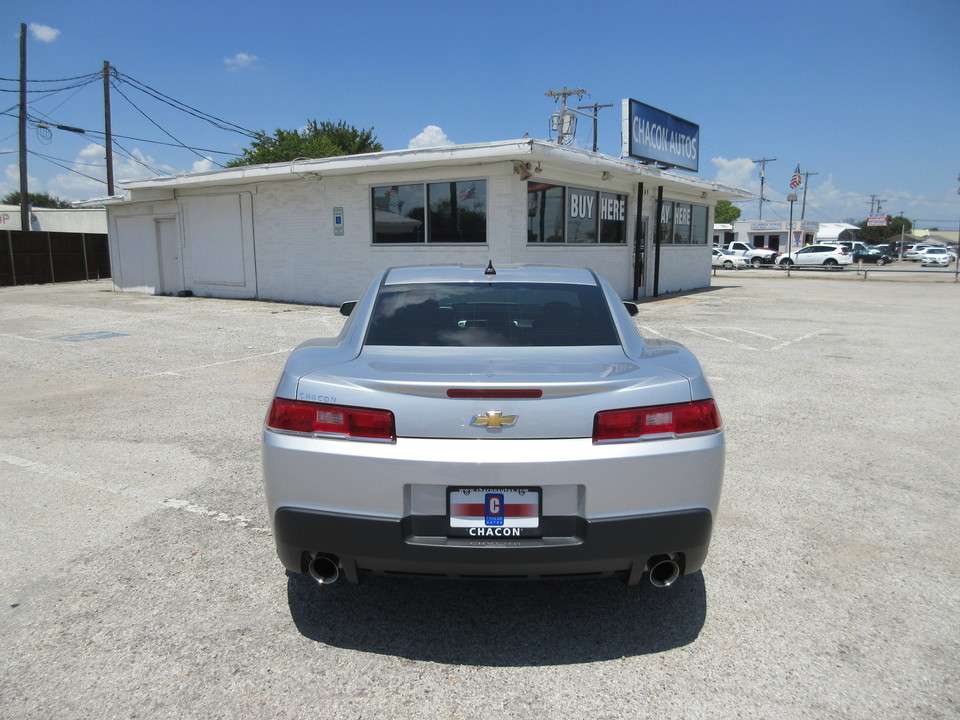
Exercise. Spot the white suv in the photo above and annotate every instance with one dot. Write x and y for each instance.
(833, 256)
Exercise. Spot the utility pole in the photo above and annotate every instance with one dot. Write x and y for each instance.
(763, 171)
(561, 123)
(106, 126)
(803, 207)
(24, 182)
(596, 112)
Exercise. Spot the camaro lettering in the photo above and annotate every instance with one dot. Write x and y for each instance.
(310, 397)
(494, 532)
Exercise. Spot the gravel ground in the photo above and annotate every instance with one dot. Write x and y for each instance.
(139, 579)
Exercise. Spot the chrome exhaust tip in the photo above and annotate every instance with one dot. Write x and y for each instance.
(324, 569)
(664, 571)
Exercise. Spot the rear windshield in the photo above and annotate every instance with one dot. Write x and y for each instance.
(491, 315)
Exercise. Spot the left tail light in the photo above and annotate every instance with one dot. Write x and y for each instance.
(700, 416)
(307, 418)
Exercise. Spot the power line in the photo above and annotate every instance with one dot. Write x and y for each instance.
(54, 90)
(156, 124)
(95, 76)
(99, 133)
(183, 107)
(81, 81)
(66, 167)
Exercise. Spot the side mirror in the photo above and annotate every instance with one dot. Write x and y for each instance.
(631, 307)
(348, 307)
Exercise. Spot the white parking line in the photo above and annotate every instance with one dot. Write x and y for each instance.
(799, 339)
(129, 491)
(179, 372)
(713, 334)
(723, 339)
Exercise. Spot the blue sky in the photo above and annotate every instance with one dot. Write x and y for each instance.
(865, 94)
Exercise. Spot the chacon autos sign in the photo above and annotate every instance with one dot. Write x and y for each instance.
(659, 137)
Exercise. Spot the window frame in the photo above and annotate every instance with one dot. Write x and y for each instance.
(425, 230)
(668, 227)
(572, 232)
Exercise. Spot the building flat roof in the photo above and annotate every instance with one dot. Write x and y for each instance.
(526, 151)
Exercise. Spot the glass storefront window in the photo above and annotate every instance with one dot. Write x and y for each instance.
(398, 214)
(581, 216)
(665, 225)
(457, 212)
(699, 229)
(683, 224)
(544, 213)
(613, 218)
(557, 214)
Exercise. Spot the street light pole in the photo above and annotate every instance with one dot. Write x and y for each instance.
(792, 198)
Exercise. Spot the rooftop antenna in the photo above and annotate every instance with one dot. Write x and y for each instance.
(490, 270)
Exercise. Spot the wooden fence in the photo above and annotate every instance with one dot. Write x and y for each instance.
(34, 258)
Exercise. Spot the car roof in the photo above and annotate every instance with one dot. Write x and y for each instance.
(479, 273)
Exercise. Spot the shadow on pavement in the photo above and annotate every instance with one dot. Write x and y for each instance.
(499, 623)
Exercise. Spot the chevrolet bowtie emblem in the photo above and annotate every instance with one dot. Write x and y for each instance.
(493, 420)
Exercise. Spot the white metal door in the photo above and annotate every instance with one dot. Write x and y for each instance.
(171, 264)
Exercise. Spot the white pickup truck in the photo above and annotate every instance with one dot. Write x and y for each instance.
(754, 255)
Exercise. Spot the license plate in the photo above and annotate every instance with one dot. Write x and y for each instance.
(493, 512)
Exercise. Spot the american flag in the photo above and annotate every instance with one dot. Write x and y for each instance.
(796, 181)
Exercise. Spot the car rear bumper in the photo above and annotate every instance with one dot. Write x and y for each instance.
(415, 545)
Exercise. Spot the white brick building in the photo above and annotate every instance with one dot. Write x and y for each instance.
(317, 231)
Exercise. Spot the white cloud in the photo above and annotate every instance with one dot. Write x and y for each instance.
(432, 136)
(202, 165)
(44, 33)
(240, 61)
(825, 202)
(89, 176)
(736, 173)
(10, 182)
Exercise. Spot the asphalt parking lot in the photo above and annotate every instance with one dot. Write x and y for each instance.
(139, 577)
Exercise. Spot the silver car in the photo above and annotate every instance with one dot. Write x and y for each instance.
(935, 256)
(492, 423)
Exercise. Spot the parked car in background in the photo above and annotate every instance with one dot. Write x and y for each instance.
(879, 255)
(893, 249)
(913, 252)
(492, 423)
(935, 256)
(832, 256)
(729, 260)
(754, 255)
(864, 253)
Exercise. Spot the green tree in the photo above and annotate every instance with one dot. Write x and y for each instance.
(36, 200)
(316, 140)
(726, 212)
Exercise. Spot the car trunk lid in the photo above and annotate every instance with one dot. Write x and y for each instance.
(495, 392)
